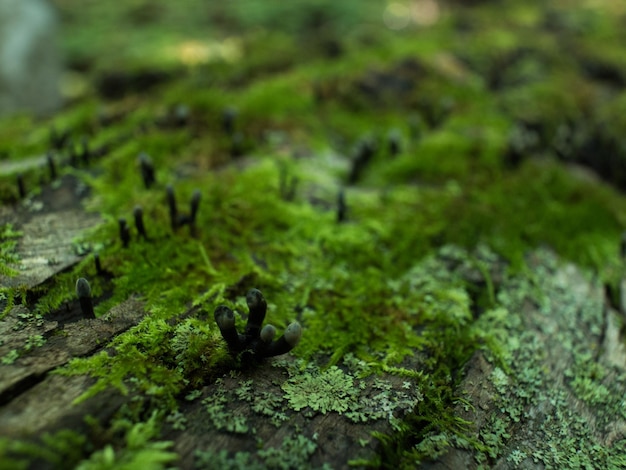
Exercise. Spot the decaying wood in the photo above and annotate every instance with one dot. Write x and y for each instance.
(603, 341)
(50, 222)
(34, 401)
(80, 338)
(31, 399)
(49, 406)
(338, 439)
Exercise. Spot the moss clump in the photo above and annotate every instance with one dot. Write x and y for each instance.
(8, 242)
(155, 358)
(141, 450)
(57, 450)
(9, 262)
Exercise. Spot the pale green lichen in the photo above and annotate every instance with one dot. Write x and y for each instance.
(294, 452)
(218, 408)
(270, 405)
(525, 388)
(360, 400)
(330, 390)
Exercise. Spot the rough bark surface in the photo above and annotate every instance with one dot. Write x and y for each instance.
(51, 223)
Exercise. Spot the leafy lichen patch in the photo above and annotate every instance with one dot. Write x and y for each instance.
(278, 400)
(360, 400)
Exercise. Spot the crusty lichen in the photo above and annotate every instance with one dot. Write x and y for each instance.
(542, 403)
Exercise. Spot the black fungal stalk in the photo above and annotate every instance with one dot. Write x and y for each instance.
(623, 246)
(365, 151)
(138, 215)
(194, 205)
(225, 319)
(394, 143)
(267, 336)
(21, 188)
(342, 208)
(179, 219)
(124, 232)
(237, 144)
(256, 341)
(58, 140)
(286, 342)
(51, 167)
(99, 270)
(147, 170)
(258, 308)
(178, 116)
(171, 204)
(72, 155)
(83, 291)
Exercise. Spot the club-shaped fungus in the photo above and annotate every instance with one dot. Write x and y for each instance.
(83, 292)
(256, 340)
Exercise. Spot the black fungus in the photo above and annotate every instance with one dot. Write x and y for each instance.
(124, 232)
(257, 341)
(83, 291)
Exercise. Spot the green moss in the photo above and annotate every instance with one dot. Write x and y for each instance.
(58, 450)
(140, 450)
(420, 308)
(154, 358)
(8, 243)
(9, 265)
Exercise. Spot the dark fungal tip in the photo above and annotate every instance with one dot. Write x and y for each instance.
(146, 167)
(21, 187)
(124, 232)
(171, 204)
(139, 225)
(194, 205)
(83, 292)
(51, 166)
(97, 262)
(256, 343)
(342, 208)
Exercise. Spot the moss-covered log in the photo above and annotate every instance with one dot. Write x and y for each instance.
(436, 201)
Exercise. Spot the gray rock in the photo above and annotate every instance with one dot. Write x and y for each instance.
(30, 63)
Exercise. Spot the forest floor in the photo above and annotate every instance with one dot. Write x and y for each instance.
(432, 190)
